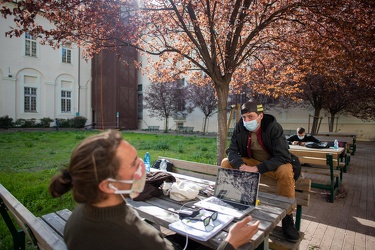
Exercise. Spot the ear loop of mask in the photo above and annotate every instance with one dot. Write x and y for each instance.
(121, 181)
(115, 188)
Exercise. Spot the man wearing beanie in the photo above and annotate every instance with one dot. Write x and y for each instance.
(258, 144)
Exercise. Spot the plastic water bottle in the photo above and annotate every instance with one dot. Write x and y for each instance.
(336, 145)
(147, 161)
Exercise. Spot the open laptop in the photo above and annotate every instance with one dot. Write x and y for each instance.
(236, 193)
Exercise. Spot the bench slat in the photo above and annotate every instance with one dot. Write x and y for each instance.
(55, 222)
(54, 232)
(194, 174)
(312, 170)
(318, 161)
(303, 189)
(314, 154)
(303, 185)
(64, 214)
(207, 169)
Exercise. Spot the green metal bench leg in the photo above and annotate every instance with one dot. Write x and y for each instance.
(264, 244)
(354, 146)
(298, 217)
(346, 159)
(18, 235)
(19, 240)
(332, 178)
(332, 196)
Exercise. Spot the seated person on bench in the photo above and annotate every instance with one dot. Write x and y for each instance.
(103, 170)
(258, 144)
(301, 138)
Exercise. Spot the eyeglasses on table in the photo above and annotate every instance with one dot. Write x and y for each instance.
(206, 221)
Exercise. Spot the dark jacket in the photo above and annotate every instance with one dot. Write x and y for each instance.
(273, 139)
(307, 138)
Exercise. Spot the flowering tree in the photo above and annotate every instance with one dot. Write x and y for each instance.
(336, 60)
(165, 100)
(204, 98)
(226, 40)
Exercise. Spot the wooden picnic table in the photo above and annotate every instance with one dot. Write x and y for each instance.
(324, 138)
(323, 162)
(336, 154)
(161, 211)
(48, 230)
(350, 142)
(330, 150)
(341, 135)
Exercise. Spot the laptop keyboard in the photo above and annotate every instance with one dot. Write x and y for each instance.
(236, 205)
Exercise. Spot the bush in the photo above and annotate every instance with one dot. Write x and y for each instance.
(64, 123)
(6, 122)
(45, 122)
(77, 122)
(26, 123)
(23, 123)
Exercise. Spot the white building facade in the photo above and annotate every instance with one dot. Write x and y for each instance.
(37, 81)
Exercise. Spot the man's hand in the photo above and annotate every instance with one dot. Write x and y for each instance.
(295, 143)
(241, 232)
(249, 168)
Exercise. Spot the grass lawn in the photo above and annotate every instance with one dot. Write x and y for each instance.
(29, 159)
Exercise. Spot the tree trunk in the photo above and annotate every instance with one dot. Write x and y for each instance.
(222, 91)
(205, 124)
(331, 122)
(314, 128)
(166, 125)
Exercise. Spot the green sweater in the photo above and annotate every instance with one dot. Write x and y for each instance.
(108, 228)
(116, 227)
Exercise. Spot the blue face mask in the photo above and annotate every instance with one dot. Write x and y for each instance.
(301, 137)
(251, 125)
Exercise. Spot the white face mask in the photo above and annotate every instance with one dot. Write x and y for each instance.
(138, 182)
(251, 125)
(301, 137)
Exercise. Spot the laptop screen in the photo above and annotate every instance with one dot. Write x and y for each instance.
(238, 186)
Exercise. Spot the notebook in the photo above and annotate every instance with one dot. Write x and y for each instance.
(236, 193)
(196, 229)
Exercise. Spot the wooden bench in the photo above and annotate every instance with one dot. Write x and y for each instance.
(153, 128)
(45, 232)
(185, 130)
(268, 185)
(323, 164)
